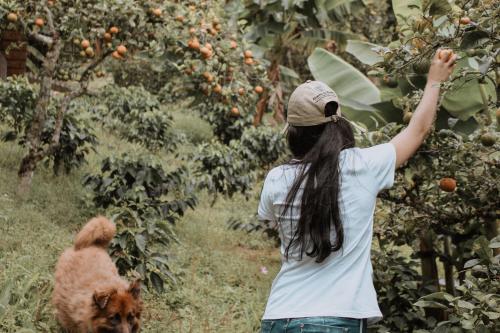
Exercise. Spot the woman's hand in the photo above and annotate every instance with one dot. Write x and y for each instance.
(442, 66)
(409, 140)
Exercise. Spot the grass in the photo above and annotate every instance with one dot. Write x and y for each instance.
(220, 288)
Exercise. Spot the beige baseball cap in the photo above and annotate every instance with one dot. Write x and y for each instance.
(306, 106)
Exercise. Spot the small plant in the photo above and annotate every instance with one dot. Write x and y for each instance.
(146, 200)
(135, 114)
(221, 169)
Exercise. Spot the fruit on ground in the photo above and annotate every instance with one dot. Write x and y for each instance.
(12, 17)
(113, 30)
(448, 184)
(465, 20)
(121, 49)
(39, 22)
(259, 89)
(248, 54)
(235, 112)
(85, 44)
(488, 139)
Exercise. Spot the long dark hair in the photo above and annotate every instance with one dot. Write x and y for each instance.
(316, 150)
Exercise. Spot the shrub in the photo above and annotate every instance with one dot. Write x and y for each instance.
(146, 200)
(136, 115)
(17, 102)
(265, 145)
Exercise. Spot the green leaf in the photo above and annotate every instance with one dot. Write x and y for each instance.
(404, 10)
(349, 83)
(471, 263)
(364, 52)
(430, 304)
(464, 99)
(157, 282)
(494, 245)
(140, 241)
(465, 305)
(439, 7)
(491, 315)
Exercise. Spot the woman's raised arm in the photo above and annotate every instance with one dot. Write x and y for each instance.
(409, 140)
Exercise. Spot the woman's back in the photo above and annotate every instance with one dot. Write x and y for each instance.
(341, 285)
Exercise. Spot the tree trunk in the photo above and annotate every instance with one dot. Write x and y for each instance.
(29, 162)
(448, 267)
(430, 276)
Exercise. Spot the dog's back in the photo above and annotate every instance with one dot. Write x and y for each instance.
(83, 269)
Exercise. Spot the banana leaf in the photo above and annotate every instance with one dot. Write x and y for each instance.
(364, 52)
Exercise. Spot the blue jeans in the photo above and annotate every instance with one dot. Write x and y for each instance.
(314, 325)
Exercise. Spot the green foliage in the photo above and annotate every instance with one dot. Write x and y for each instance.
(476, 308)
(146, 200)
(136, 115)
(140, 72)
(75, 143)
(397, 281)
(17, 102)
(18, 99)
(221, 170)
(262, 146)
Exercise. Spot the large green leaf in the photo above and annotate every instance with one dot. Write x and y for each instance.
(364, 52)
(404, 10)
(354, 89)
(464, 99)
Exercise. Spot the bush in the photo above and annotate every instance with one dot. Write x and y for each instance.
(17, 103)
(140, 72)
(146, 200)
(264, 145)
(136, 115)
(221, 169)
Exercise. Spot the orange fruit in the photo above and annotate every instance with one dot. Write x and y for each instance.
(241, 91)
(206, 75)
(445, 54)
(107, 37)
(192, 30)
(248, 54)
(39, 22)
(249, 61)
(206, 52)
(194, 44)
(179, 18)
(259, 89)
(235, 112)
(212, 31)
(157, 12)
(192, 8)
(217, 89)
(233, 44)
(113, 30)
(209, 46)
(116, 55)
(85, 44)
(50, 3)
(465, 20)
(121, 49)
(448, 184)
(218, 27)
(12, 17)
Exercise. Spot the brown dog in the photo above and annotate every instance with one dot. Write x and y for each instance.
(89, 295)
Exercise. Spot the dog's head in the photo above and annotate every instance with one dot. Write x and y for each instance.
(117, 311)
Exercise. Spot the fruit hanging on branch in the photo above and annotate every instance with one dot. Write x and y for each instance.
(39, 22)
(448, 184)
(488, 139)
(235, 112)
(12, 17)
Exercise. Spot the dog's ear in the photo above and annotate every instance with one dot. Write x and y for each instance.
(135, 288)
(101, 298)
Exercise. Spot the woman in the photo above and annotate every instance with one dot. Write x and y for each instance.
(323, 202)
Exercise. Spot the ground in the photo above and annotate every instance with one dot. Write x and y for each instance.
(220, 285)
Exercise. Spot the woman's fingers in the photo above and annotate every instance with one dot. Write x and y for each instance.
(451, 61)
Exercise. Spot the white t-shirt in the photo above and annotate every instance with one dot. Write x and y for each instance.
(342, 284)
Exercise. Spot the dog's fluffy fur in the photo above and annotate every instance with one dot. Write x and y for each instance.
(89, 295)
